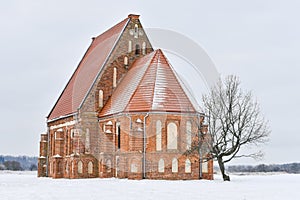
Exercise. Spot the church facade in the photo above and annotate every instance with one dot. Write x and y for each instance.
(125, 113)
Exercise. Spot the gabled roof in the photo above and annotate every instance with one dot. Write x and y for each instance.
(87, 71)
(151, 84)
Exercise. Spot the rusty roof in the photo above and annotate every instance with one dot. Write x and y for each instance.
(151, 84)
(85, 74)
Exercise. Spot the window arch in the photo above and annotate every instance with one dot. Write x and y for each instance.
(129, 46)
(188, 167)
(115, 77)
(172, 135)
(161, 165)
(144, 48)
(90, 167)
(108, 166)
(137, 49)
(100, 98)
(158, 135)
(80, 167)
(174, 165)
(188, 135)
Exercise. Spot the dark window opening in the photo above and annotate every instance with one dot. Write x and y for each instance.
(119, 136)
(137, 49)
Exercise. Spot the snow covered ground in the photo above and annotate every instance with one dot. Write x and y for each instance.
(25, 185)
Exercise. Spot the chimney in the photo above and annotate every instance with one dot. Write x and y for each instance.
(133, 16)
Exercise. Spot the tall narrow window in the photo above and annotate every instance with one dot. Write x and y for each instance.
(108, 166)
(118, 132)
(172, 136)
(137, 49)
(174, 165)
(67, 167)
(134, 166)
(80, 166)
(136, 31)
(125, 60)
(129, 46)
(144, 48)
(90, 167)
(100, 98)
(205, 167)
(158, 135)
(188, 167)
(188, 135)
(161, 165)
(87, 140)
(115, 77)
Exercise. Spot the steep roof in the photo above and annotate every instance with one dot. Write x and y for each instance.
(150, 85)
(87, 71)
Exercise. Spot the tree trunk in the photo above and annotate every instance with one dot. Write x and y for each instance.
(222, 168)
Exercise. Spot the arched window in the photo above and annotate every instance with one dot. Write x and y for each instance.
(144, 48)
(125, 60)
(100, 98)
(108, 166)
(137, 49)
(90, 167)
(172, 136)
(115, 77)
(188, 168)
(136, 31)
(161, 165)
(188, 135)
(80, 167)
(158, 135)
(174, 165)
(129, 46)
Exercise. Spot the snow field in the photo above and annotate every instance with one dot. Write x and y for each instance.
(25, 186)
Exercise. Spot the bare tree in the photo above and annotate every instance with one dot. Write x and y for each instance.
(234, 120)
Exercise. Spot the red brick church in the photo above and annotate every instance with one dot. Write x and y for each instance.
(124, 113)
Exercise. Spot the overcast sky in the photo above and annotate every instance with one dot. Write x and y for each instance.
(42, 42)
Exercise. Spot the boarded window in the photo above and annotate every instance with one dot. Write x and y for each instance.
(90, 167)
(174, 165)
(158, 135)
(172, 136)
(188, 167)
(161, 165)
(188, 135)
(80, 167)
